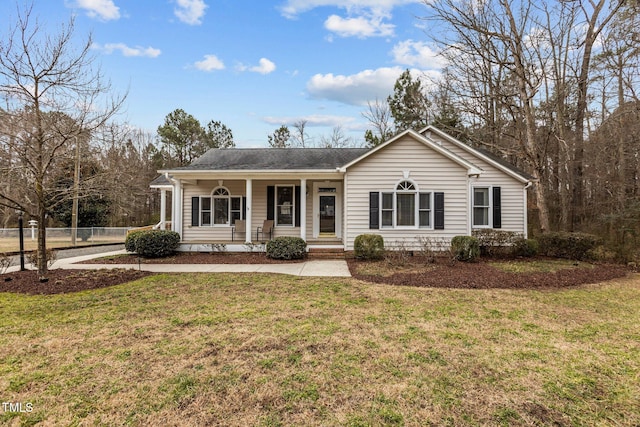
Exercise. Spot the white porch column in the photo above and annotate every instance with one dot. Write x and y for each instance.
(177, 208)
(174, 201)
(163, 208)
(303, 209)
(248, 210)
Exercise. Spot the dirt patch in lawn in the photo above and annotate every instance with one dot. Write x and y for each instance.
(485, 274)
(65, 281)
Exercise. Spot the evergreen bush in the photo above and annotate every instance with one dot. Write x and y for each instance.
(496, 242)
(465, 248)
(130, 240)
(576, 246)
(369, 246)
(525, 247)
(286, 247)
(156, 243)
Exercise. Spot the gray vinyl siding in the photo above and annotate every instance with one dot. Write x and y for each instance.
(513, 198)
(429, 170)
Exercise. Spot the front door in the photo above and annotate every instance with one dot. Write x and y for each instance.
(327, 214)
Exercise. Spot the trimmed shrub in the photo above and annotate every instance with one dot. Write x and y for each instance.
(156, 243)
(525, 247)
(495, 242)
(568, 245)
(465, 248)
(130, 240)
(369, 246)
(286, 247)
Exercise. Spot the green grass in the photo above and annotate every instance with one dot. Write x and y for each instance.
(539, 266)
(270, 350)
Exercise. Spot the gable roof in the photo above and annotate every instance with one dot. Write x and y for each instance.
(243, 159)
(490, 158)
(471, 168)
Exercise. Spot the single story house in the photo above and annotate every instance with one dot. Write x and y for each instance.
(416, 185)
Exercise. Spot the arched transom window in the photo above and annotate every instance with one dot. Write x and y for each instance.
(406, 207)
(221, 208)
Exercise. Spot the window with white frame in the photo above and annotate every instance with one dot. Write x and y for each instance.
(481, 205)
(406, 207)
(424, 209)
(387, 210)
(205, 210)
(220, 208)
(285, 205)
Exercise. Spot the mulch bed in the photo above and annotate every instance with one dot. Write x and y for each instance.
(193, 258)
(65, 281)
(441, 274)
(482, 275)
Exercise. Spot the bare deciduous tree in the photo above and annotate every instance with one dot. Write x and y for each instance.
(299, 136)
(379, 116)
(54, 94)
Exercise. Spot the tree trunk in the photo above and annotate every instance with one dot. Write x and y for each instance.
(43, 268)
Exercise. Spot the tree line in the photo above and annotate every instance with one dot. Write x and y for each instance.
(550, 86)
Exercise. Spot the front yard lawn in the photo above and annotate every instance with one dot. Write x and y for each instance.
(230, 349)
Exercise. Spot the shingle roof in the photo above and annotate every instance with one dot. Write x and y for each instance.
(160, 180)
(274, 158)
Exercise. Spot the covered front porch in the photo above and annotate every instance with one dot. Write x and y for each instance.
(228, 213)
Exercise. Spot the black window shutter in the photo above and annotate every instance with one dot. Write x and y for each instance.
(243, 208)
(497, 209)
(438, 201)
(195, 211)
(271, 196)
(374, 208)
(297, 203)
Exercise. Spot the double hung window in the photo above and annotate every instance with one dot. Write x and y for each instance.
(406, 207)
(481, 205)
(220, 208)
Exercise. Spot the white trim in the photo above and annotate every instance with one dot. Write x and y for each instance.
(474, 152)
(176, 224)
(247, 209)
(303, 208)
(338, 185)
(163, 208)
(525, 232)
(344, 221)
(394, 211)
(293, 205)
(489, 189)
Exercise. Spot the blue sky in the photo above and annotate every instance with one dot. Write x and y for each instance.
(253, 65)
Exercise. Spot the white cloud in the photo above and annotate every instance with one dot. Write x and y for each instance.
(101, 9)
(365, 86)
(190, 11)
(210, 63)
(265, 67)
(292, 8)
(361, 27)
(355, 89)
(417, 54)
(313, 120)
(109, 48)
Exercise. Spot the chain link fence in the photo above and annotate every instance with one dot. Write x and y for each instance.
(61, 237)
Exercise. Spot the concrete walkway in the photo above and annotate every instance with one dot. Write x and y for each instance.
(315, 268)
